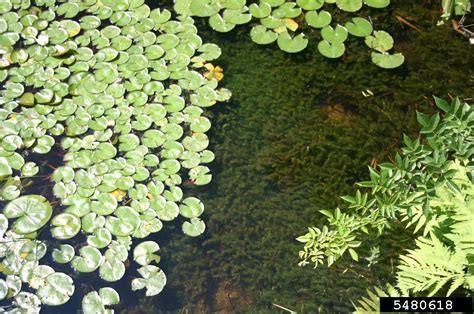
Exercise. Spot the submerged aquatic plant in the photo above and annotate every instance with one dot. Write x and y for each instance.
(120, 88)
(285, 22)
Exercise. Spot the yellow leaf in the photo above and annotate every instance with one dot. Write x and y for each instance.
(118, 194)
(291, 24)
(280, 29)
(24, 255)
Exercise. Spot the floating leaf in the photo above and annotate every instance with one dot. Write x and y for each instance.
(349, 5)
(90, 260)
(153, 279)
(318, 19)
(57, 290)
(94, 302)
(359, 27)
(262, 36)
(387, 61)
(66, 226)
(334, 35)
(380, 41)
(31, 212)
(194, 228)
(64, 254)
(144, 253)
(379, 4)
(291, 45)
(331, 50)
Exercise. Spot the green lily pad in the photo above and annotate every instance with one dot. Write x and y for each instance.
(262, 36)
(94, 302)
(33, 250)
(89, 260)
(3, 289)
(58, 289)
(349, 5)
(310, 4)
(334, 35)
(380, 41)
(5, 169)
(331, 50)
(379, 4)
(64, 254)
(193, 228)
(31, 212)
(27, 302)
(66, 226)
(124, 221)
(387, 61)
(291, 44)
(236, 16)
(191, 207)
(153, 279)
(359, 27)
(200, 175)
(197, 142)
(318, 19)
(112, 270)
(261, 10)
(218, 23)
(100, 239)
(144, 253)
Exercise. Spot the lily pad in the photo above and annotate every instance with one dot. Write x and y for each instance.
(66, 226)
(334, 35)
(32, 212)
(218, 23)
(387, 61)
(318, 19)
(261, 10)
(380, 41)
(291, 44)
(58, 289)
(379, 4)
(191, 207)
(64, 254)
(331, 50)
(144, 253)
(349, 5)
(153, 279)
(94, 302)
(89, 260)
(359, 27)
(194, 228)
(310, 4)
(262, 36)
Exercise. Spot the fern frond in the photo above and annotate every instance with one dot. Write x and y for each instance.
(429, 267)
(371, 303)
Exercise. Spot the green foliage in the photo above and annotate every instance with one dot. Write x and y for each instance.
(458, 7)
(116, 89)
(282, 21)
(428, 186)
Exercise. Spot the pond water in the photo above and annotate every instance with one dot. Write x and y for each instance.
(298, 132)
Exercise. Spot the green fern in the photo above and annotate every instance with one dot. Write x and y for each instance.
(370, 303)
(430, 267)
